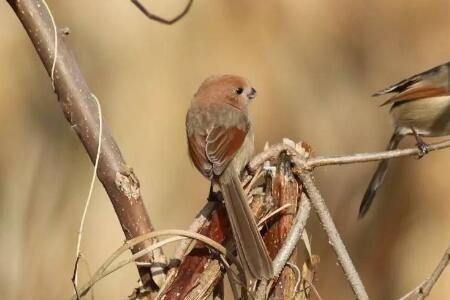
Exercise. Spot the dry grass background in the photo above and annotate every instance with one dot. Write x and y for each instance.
(314, 64)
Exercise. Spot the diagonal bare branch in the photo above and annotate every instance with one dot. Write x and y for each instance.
(74, 96)
(443, 263)
(424, 288)
(335, 240)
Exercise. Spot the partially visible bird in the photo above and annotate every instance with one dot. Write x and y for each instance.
(420, 107)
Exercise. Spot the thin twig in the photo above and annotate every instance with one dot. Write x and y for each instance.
(74, 276)
(259, 173)
(298, 277)
(425, 290)
(294, 235)
(368, 157)
(334, 238)
(272, 213)
(313, 287)
(270, 153)
(320, 161)
(415, 291)
(89, 274)
(159, 19)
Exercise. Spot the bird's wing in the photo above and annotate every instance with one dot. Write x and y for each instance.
(431, 83)
(196, 147)
(222, 143)
(212, 152)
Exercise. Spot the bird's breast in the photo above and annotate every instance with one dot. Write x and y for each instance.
(428, 116)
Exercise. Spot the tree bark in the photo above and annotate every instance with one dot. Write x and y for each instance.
(80, 110)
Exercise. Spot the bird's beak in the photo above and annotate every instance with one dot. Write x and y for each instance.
(252, 94)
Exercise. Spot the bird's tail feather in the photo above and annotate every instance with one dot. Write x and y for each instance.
(249, 243)
(378, 176)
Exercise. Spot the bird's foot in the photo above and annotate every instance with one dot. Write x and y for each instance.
(423, 147)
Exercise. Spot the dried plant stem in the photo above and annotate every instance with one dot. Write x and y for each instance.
(335, 240)
(89, 196)
(181, 250)
(105, 270)
(293, 237)
(272, 214)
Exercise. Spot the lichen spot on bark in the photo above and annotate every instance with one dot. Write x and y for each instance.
(128, 184)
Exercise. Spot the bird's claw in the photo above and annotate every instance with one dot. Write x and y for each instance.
(424, 148)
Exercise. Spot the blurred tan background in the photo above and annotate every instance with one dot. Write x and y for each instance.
(314, 64)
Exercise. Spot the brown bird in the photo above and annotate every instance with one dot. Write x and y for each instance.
(420, 107)
(220, 141)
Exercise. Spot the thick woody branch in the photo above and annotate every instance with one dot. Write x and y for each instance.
(285, 192)
(335, 240)
(80, 110)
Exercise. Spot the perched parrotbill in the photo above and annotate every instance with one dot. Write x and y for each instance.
(420, 107)
(220, 141)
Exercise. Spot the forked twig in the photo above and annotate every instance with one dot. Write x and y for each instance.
(426, 288)
(423, 289)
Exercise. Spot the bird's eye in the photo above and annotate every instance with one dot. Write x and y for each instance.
(239, 91)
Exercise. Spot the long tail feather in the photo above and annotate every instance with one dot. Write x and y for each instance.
(378, 177)
(249, 243)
